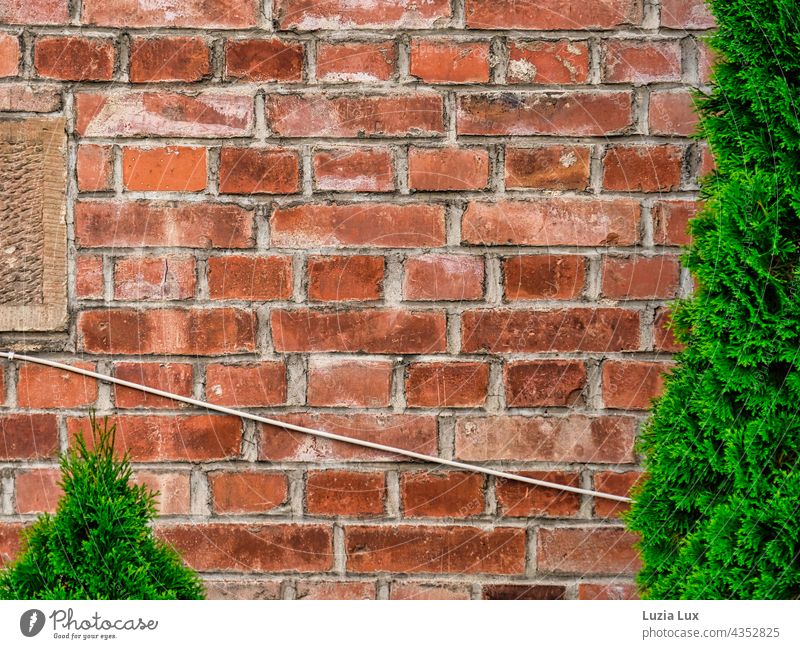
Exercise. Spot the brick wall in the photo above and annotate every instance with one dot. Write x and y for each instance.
(446, 226)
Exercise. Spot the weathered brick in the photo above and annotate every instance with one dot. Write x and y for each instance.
(552, 222)
(556, 166)
(616, 590)
(354, 170)
(580, 113)
(259, 171)
(335, 590)
(562, 330)
(519, 499)
(358, 224)
(172, 490)
(312, 15)
(73, 58)
(238, 588)
(169, 377)
(641, 62)
(28, 436)
(143, 223)
(39, 386)
(220, 14)
(450, 61)
(239, 277)
(672, 113)
(167, 331)
(421, 549)
(643, 168)
(94, 167)
(377, 331)
(252, 384)
(536, 14)
(264, 60)
(350, 383)
(29, 98)
(523, 592)
(247, 492)
(355, 62)
(345, 278)
(631, 385)
(447, 385)
(636, 278)
(170, 168)
(169, 58)
(413, 590)
(9, 55)
(613, 482)
(544, 277)
(37, 490)
(154, 278)
(345, 493)
(10, 541)
(559, 383)
(548, 62)
(89, 277)
(686, 14)
(35, 12)
(438, 170)
(451, 494)
(671, 222)
(576, 438)
(587, 551)
(443, 277)
(417, 114)
(663, 333)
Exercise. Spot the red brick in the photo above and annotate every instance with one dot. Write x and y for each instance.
(615, 590)
(355, 62)
(247, 492)
(544, 277)
(37, 490)
(576, 438)
(376, 331)
(548, 62)
(9, 55)
(587, 551)
(450, 61)
(39, 386)
(143, 224)
(410, 590)
(169, 377)
(95, 167)
(557, 383)
(167, 331)
(72, 58)
(171, 168)
(10, 541)
(89, 277)
(336, 590)
(630, 385)
(354, 170)
(28, 436)
(252, 384)
(236, 547)
(438, 170)
(345, 278)
(558, 167)
(417, 114)
(638, 278)
(706, 59)
(663, 335)
(312, 15)
(553, 222)
(220, 14)
(616, 483)
(443, 277)
(522, 592)
(641, 62)
(686, 14)
(29, 98)
(37, 12)
(420, 549)
(580, 113)
(450, 494)
(519, 499)
(349, 383)
(237, 277)
(171, 58)
(561, 330)
(357, 225)
(539, 14)
(672, 113)
(154, 278)
(707, 161)
(671, 222)
(345, 493)
(172, 490)
(238, 589)
(264, 60)
(124, 113)
(2, 384)
(447, 385)
(643, 168)
(413, 432)
(171, 438)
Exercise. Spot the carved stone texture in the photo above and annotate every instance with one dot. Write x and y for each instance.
(33, 238)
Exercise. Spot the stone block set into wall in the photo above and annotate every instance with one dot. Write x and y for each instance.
(447, 226)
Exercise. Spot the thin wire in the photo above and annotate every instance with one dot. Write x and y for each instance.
(11, 356)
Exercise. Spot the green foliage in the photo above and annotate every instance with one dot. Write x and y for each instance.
(99, 544)
(719, 511)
